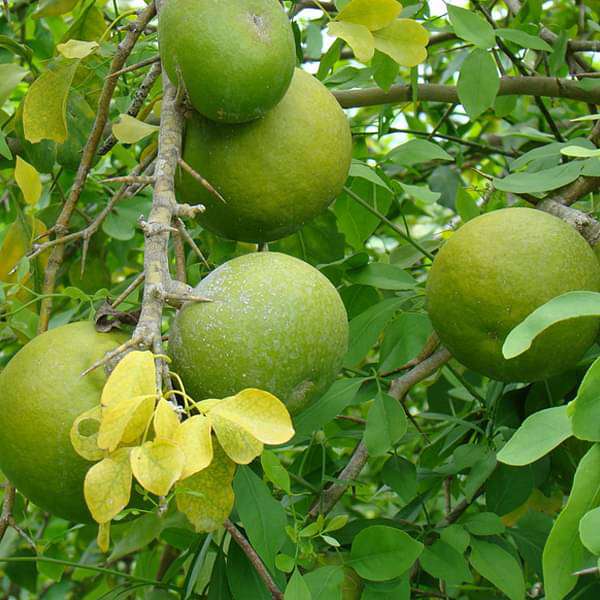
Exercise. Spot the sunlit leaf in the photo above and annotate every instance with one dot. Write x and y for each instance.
(194, 440)
(130, 130)
(124, 421)
(10, 76)
(77, 48)
(404, 40)
(54, 8)
(206, 498)
(134, 375)
(28, 180)
(358, 37)
(373, 14)
(107, 486)
(166, 422)
(45, 108)
(258, 412)
(157, 465)
(84, 434)
(241, 446)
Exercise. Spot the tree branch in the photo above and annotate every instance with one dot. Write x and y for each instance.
(552, 87)
(399, 388)
(253, 557)
(87, 158)
(7, 506)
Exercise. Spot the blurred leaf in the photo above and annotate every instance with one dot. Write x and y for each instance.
(478, 83)
(296, 588)
(275, 471)
(540, 181)
(484, 523)
(523, 39)
(589, 531)
(443, 562)
(417, 151)
(564, 553)
(325, 583)
(129, 130)
(53, 8)
(383, 276)
(10, 76)
(77, 48)
(136, 535)
(28, 180)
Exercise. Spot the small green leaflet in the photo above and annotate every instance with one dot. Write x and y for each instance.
(589, 531)
(561, 308)
(579, 152)
(478, 83)
(417, 151)
(540, 181)
(540, 433)
(525, 40)
(383, 276)
(297, 589)
(471, 27)
(386, 424)
(564, 553)
(585, 409)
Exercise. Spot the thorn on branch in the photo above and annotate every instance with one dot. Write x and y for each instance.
(152, 229)
(134, 67)
(203, 182)
(131, 179)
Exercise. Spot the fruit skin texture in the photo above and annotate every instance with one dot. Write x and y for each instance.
(492, 273)
(274, 323)
(276, 173)
(236, 58)
(41, 394)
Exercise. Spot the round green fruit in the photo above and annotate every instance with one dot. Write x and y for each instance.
(236, 58)
(273, 323)
(41, 394)
(492, 273)
(276, 173)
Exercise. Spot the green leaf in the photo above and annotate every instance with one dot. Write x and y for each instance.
(297, 589)
(561, 308)
(380, 553)
(327, 407)
(136, 535)
(243, 579)
(54, 8)
(366, 328)
(88, 26)
(585, 409)
(45, 108)
(360, 169)
(539, 181)
(478, 83)
(525, 40)
(275, 471)
(466, 206)
(564, 553)
(540, 433)
(383, 276)
(417, 151)
(386, 424)
(4, 149)
(401, 475)
(589, 531)
(508, 488)
(499, 567)
(456, 535)
(471, 27)
(325, 583)
(398, 589)
(262, 516)
(484, 523)
(10, 76)
(579, 152)
(442, 561)
(385, 70)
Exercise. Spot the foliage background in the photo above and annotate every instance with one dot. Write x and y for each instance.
(421, 169)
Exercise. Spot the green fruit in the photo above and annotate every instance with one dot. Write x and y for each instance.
(276, 173)
(236, 58)
(274, 323)
(41, 394)
(492, 273)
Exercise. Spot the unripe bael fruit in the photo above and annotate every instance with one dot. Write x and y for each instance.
(236, 58)
(276, 173)
(41, 393)
(274, 323)
(492, 273)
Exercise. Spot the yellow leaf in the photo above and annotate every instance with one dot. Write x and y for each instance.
(53, 8)
(124, 421)
(404, 40)
(206, 405)
(84, 434)
(107, 486)
(134, 375)
(103, 539)
(166, 421)
(206, 498)
(359, 38)
(45, 107)
(260, 413)
(77, 48)
(28, 180)
(130, 130)
(373, 14)
(157, 465)
(241, 446)
(194, 439)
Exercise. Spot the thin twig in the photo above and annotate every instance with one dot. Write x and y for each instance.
(87, 158)
(188, 238)
(253, 557)
(130, 288)
(136, 66)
